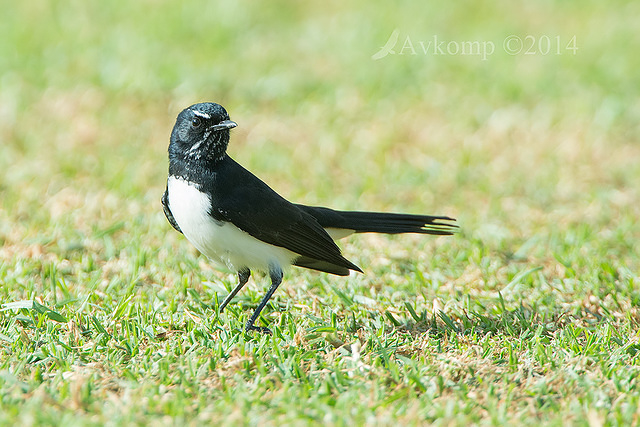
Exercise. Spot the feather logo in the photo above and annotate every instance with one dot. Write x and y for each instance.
(388, 47)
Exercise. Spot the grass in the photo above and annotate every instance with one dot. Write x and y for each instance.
(529, 316)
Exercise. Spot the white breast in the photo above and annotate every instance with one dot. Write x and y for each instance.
(221, 242)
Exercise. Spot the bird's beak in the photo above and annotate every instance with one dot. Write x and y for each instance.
(227, 124)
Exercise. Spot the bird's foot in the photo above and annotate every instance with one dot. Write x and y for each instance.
(250, 327)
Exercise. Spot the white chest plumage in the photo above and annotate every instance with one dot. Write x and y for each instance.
(221, 242)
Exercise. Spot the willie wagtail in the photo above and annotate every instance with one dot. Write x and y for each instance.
(235, 219)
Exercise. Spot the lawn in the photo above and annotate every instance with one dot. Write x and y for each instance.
(521, 120)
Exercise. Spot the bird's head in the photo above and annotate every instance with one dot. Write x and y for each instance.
(201, 132)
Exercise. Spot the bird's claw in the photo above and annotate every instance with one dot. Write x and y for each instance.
(261, 329)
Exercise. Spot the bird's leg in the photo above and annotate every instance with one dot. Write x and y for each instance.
(275, 272)
(243, 278)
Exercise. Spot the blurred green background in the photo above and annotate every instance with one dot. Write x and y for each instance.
(537, 154)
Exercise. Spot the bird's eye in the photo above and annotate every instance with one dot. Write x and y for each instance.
(196, 122)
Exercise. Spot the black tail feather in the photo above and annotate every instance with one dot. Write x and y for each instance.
(380, 222)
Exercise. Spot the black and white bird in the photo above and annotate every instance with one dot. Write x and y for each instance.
(237, 220)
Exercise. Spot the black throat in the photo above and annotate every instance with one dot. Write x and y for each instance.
(198, 163)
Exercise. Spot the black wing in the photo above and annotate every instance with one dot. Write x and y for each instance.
(252, 206)
(167, 211)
